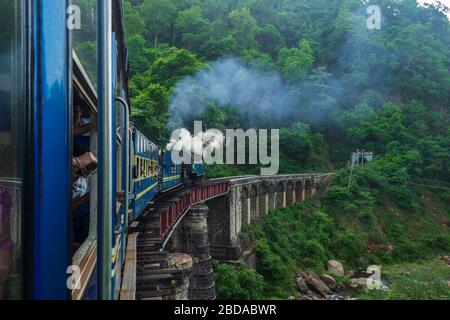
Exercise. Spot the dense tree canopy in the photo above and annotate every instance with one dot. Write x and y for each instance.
(383, 90)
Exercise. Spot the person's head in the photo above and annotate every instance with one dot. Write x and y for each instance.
(80, 149)
(77, 113)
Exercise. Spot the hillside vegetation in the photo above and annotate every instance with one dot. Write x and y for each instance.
(339, 87)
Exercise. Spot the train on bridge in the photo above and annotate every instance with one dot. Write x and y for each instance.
(74, 171)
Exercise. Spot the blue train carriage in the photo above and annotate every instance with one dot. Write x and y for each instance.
(145, 163)
(198, 170)
(51, 77)
(170, 173)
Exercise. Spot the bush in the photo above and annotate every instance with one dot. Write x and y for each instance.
(349, 246)
(238, 283)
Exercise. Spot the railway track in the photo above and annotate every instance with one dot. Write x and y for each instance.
(155, 278)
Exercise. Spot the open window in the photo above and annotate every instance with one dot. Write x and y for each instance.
(85, 140)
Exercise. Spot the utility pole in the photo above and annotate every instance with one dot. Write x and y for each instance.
(357, 158)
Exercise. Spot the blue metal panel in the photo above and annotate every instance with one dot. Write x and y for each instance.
(52, 152)
(114, 152)
(170, 175)
(145, 191)
(198, 169)
(114, 148)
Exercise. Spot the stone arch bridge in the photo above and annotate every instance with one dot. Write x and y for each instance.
(201, 223)
(250, 198)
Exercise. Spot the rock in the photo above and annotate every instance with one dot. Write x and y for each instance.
(292, 298)
(445, 259)
(304, 297)
(317, 285)
(301, 284)
(351, 273)
(358, 282)
(336, 268)
(377, 248)
(314, 296)
(330, 282)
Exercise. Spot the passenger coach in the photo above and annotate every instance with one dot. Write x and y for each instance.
(63, 92)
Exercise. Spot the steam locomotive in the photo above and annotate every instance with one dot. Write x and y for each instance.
(51, 68)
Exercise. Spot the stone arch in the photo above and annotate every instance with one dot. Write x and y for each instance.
(263, 199)
(289, 193)
(299, 191)
(308, 188)
(279, 194)
(271, 197)
(244, 203)
(254, 212)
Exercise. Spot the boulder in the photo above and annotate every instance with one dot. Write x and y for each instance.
(445, 259)
(330, 282)
(336, 268)
(304, 297)
(358, 282)
(317, 285)
(301, 284)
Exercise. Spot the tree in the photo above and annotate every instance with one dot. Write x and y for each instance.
(173, 65)
(296, 62)
(296, 141)
(193, 27)
(158, 16)
(150, 111)
(138, 59)
(133, 19)
(244, 28)
(270, 40)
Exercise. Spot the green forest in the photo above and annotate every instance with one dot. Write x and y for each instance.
(331, 85)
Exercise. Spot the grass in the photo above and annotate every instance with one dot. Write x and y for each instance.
(425, 280)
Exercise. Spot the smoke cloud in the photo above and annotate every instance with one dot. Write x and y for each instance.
(263, 99)
(260, 98)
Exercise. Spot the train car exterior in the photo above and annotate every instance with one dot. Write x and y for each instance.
(46, 68)
(198, 170)
(145, 164)
(170, 175)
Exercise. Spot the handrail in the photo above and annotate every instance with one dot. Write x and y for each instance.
(105, 111)
(126, 153)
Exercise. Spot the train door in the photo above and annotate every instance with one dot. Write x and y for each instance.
(51, 137)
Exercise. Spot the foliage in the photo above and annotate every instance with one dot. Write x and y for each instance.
(426, 280)
(237, 283)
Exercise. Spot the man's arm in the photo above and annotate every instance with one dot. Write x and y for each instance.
(78, 202)
(81, 130)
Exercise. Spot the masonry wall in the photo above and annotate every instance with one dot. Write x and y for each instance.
(250, 199)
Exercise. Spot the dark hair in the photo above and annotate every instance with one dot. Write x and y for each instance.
(80, 149)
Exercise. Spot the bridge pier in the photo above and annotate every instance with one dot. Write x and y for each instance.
(191, 237)
(202, 285)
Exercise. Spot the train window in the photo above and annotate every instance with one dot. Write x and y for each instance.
(12, 126)
(85, 38)
(154, 168)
